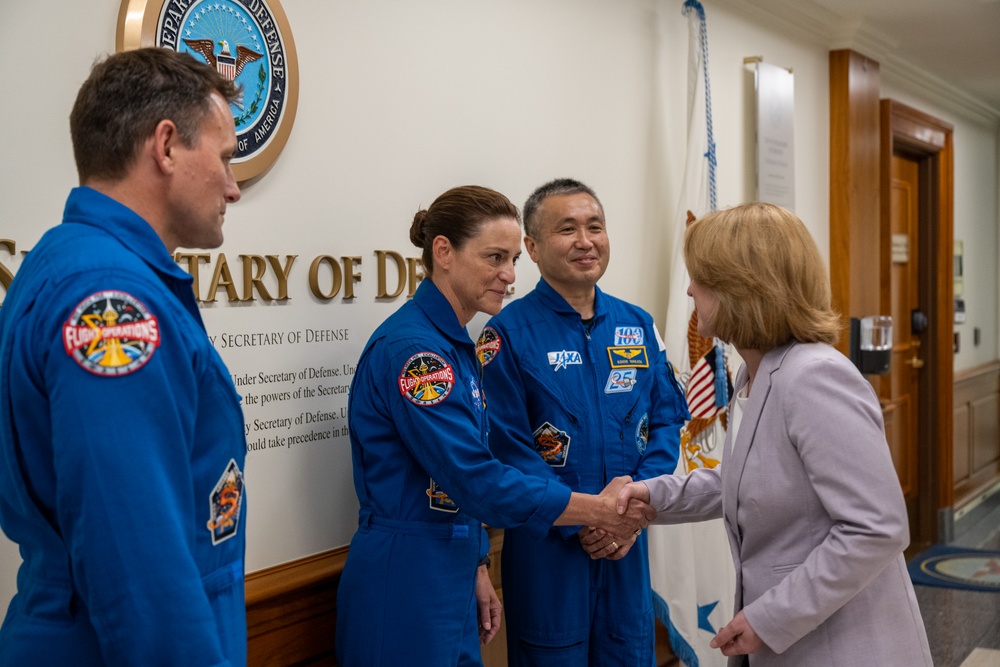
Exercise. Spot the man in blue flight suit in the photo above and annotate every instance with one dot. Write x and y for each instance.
(121, 434)
(579, 389)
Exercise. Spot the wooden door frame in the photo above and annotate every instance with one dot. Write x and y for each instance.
(927, 140)
(860, 248)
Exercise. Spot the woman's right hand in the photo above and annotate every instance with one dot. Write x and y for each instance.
(633, 514)
(601, 511)
(632, 492)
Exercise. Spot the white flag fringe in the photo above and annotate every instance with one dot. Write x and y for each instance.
(690, 565)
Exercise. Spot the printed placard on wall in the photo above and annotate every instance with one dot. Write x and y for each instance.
(775, 135)
(247, 41)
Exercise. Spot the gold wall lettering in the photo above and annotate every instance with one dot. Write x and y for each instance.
(266, 277)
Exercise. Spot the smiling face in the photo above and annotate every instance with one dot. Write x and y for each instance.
(475, 277)
(203, 182)
(570, 243)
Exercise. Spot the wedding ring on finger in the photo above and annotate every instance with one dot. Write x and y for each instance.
(614, 546)
(638, 531)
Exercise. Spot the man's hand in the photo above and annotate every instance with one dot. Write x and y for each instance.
(635, 516)
(737, 638)
(488, 604)
(599, 544)
(601, 511)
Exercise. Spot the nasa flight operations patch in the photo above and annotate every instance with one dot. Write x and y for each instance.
(426, 379)
(111, 333)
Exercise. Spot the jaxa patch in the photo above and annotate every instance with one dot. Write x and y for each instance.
(111, 333)
(224, 504)
(440, 500)
(642, 434)
(628, 356)
(426, 379)
(629, 336)
(552, 445)
(564, 358)
(488, 346)
(620, 381)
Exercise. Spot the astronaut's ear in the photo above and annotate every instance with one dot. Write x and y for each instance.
(443, 251)
(161, 145)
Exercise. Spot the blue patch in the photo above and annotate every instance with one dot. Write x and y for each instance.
(564, 358)
(620, 381)
(477, 396)
(642, 434)
(629, 336)
(552, 445)
(628, 356)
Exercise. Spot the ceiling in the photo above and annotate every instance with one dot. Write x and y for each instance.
(950, 46)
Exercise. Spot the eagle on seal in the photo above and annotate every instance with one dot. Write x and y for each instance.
(225, 63)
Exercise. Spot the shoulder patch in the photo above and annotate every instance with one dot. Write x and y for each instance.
(111, 333)
(426, 379)
(488, 346)
(224, 504)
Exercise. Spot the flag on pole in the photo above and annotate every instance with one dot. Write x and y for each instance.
(691, 567)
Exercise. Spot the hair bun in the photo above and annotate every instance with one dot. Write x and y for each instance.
(417, 228)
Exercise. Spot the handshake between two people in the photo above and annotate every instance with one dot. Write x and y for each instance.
(611, 520)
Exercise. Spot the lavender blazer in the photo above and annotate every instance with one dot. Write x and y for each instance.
(815, 517)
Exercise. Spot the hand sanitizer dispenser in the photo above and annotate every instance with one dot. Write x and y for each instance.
(871, 344)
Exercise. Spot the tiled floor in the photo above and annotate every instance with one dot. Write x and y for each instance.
(958, 621)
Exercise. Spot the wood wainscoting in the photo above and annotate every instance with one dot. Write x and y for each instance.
(977, 431)
(292, 613)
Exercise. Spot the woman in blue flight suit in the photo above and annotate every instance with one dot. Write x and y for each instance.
(411, 592)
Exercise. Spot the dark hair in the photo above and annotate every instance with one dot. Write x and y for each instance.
(559, 186)
(767, 276)
(127, 94)
(458, 215)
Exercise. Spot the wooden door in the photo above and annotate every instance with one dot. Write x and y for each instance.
(899, 392)
(916, 202)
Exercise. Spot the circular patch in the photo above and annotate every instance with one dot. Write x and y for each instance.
(111, 333)
(426, 379)
(488, 346)
(642, 434)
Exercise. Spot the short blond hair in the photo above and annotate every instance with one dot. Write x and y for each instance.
(766, 274)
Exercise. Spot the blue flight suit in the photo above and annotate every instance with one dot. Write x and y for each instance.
(581, 403)
(425, 481)
(121, 455)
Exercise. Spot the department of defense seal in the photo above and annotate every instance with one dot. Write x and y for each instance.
(247, 41)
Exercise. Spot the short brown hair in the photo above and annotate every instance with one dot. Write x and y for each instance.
(766, 273)
(127, 94)
(458, 215)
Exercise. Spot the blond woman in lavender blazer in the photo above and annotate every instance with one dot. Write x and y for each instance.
(812, 505)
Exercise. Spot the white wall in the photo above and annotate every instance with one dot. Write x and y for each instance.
(399, 101)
